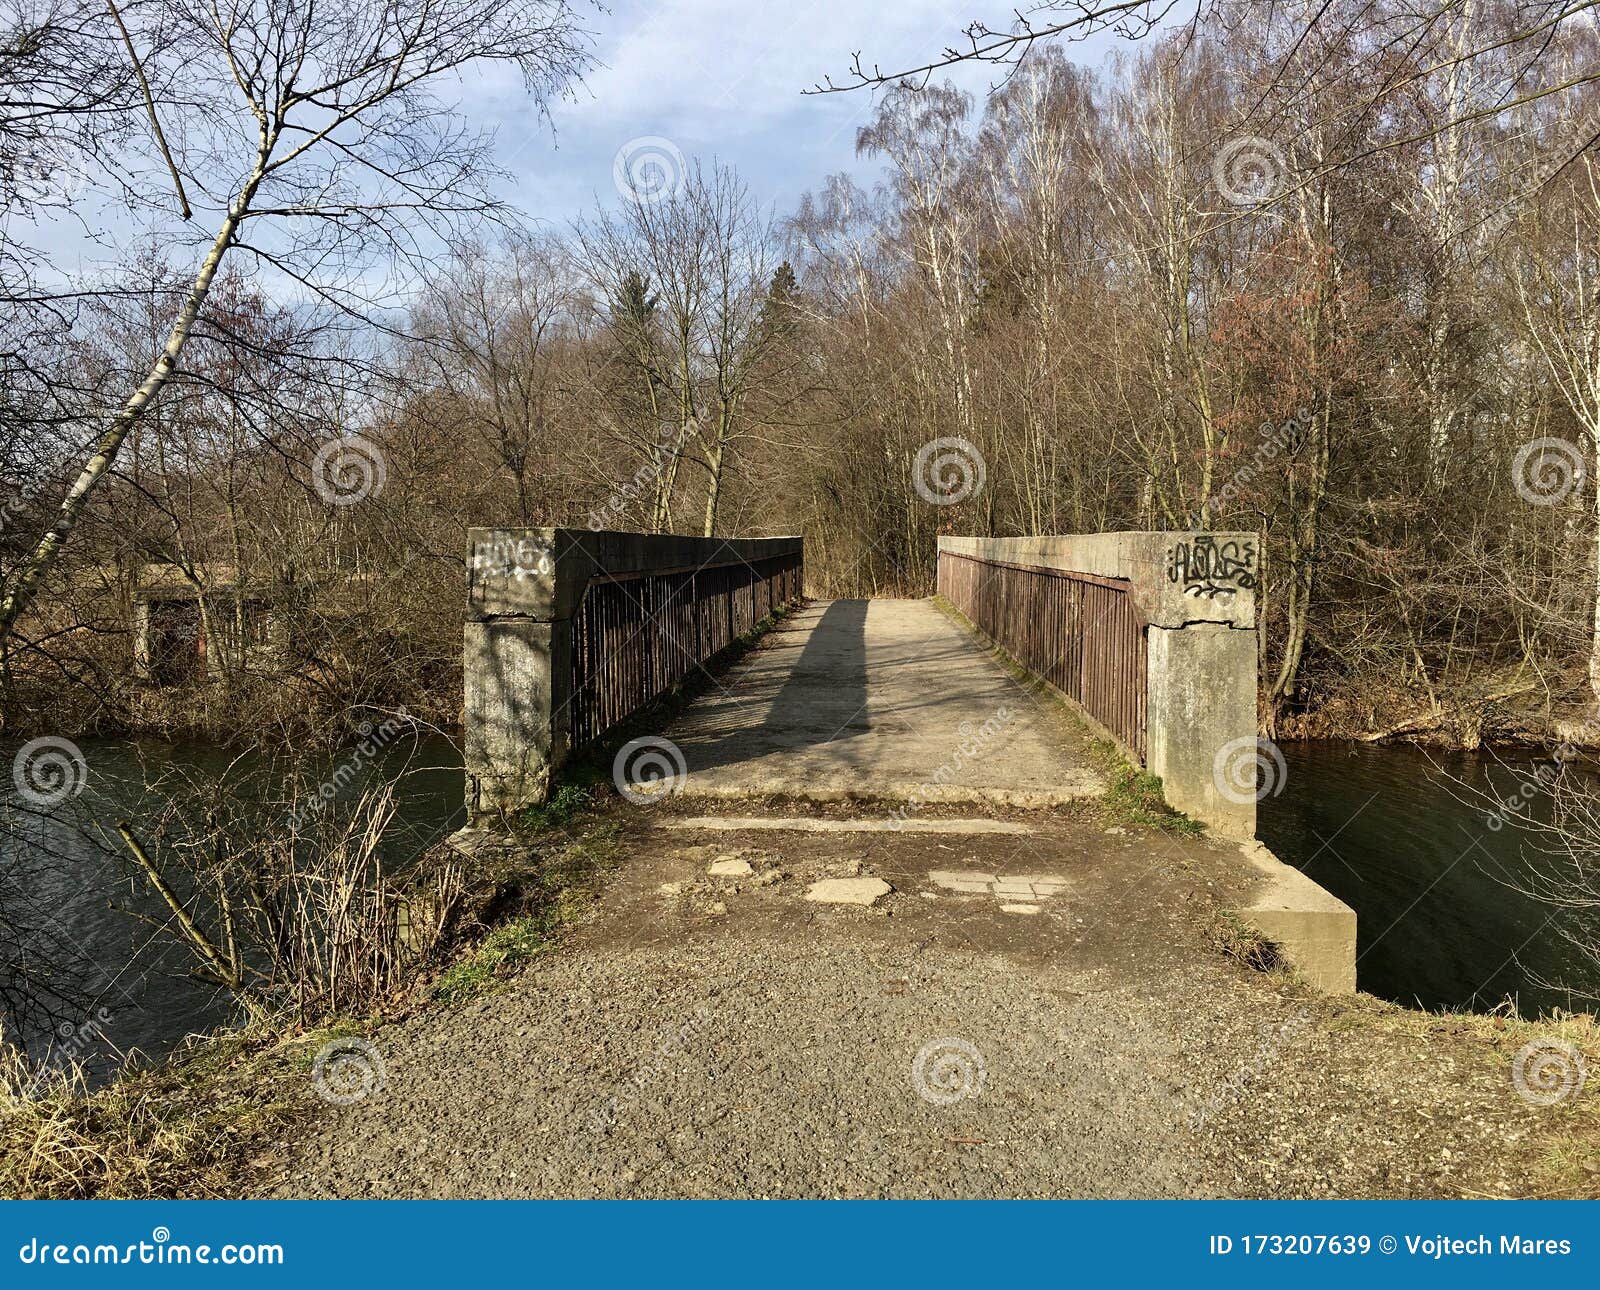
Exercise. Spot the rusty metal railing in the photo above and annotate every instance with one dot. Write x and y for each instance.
(1078, 632)
(637, 635)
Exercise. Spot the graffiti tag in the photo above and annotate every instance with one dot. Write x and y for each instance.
(1204, 568)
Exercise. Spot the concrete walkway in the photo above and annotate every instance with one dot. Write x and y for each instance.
(883, 699)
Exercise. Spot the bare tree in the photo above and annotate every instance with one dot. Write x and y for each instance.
(700, 260)
(348, 153)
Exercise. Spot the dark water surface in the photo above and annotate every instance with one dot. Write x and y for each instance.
(63, 876)
(1397, 834)
(1393, 831)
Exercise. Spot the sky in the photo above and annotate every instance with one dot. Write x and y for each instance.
(673, 80)
(723, 79)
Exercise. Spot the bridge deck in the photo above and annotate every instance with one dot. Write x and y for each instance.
(881, 699)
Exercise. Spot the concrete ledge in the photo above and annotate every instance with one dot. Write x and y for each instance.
(1314, 929)
(1079, 786)
(1175, 578)
(541, 573)
(1194, 597)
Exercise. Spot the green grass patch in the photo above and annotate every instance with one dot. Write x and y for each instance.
(1133, 796)
(570, 800)
(497, 957)
(555, 895)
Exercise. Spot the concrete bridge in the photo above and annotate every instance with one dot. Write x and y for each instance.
(988, 697)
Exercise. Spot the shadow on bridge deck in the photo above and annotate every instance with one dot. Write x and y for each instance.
(879, 699)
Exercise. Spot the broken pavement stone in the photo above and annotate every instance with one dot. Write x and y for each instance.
(848, 891)
(949, 878)
(731, 867)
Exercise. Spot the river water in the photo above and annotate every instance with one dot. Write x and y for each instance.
(92, 924)
(1389, 829)
(1401, 835)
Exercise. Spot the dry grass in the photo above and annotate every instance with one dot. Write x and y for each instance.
(191, 1128)
(1242, 943)
(1564, 1161)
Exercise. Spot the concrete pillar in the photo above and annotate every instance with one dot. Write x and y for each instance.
(141, 639)
(514, 679)
(1201, 697)
(524, 587)
(516, 668)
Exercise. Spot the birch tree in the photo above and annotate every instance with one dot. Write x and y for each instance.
(307, 137)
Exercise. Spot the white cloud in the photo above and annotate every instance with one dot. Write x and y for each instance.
(726, 79)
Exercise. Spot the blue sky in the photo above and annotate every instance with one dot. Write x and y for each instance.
(723, 79)
(718, 79)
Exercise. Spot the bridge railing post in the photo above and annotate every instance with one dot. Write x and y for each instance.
(1196, 595)
(516, 666)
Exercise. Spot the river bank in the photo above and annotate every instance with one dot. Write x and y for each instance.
(628, 1042)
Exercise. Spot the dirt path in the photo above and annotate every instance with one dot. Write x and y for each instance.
(725, 1036)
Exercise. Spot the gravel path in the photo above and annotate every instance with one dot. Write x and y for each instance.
(728, 1038)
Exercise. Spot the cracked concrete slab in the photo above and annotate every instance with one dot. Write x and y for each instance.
(882, 700)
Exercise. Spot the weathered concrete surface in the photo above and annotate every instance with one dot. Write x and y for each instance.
(872, 824)
(1196, 593)
(523, 588)
(1146, 560)
(1201, 723)
(1314, 928)
(881, 699)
